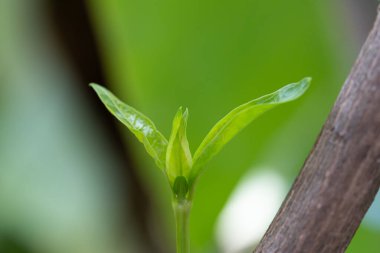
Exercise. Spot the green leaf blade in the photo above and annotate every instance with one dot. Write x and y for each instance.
(178, 155)
(139, 124)
(224, 130)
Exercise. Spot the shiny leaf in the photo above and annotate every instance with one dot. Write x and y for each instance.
(239, 118)
(178, 155)
(140, 125)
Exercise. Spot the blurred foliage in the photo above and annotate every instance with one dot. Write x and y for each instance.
(8, 245)
(365, 240)
(57, 192)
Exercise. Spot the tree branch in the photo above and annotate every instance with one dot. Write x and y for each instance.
(341, 176)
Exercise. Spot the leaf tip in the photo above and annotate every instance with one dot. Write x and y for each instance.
(93, 85)
(179, 112)
(186, 113)
(293, 91)
(182, 113)
(305, 83)
(308, 79)
(96, 87)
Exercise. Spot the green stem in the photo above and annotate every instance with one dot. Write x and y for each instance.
(182, 212)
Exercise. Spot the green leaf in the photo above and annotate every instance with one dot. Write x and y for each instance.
(178, 155)
(140, 125)
(239, 118)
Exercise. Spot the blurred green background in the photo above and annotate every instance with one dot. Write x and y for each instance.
(72, 179)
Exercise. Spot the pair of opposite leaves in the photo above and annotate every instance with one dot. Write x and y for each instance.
(174, 156)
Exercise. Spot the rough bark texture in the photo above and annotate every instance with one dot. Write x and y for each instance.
(341, 176)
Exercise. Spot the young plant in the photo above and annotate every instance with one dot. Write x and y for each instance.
(173, 156)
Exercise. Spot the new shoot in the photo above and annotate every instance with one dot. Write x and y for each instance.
(173, 155)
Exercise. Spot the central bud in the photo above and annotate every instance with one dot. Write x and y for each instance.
(180, 187)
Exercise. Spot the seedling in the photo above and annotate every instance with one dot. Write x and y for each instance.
(173, 156)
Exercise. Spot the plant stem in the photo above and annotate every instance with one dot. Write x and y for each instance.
(181, 209)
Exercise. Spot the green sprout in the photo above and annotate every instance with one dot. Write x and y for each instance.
(173, 156)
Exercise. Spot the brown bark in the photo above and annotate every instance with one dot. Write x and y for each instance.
(341, 176)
